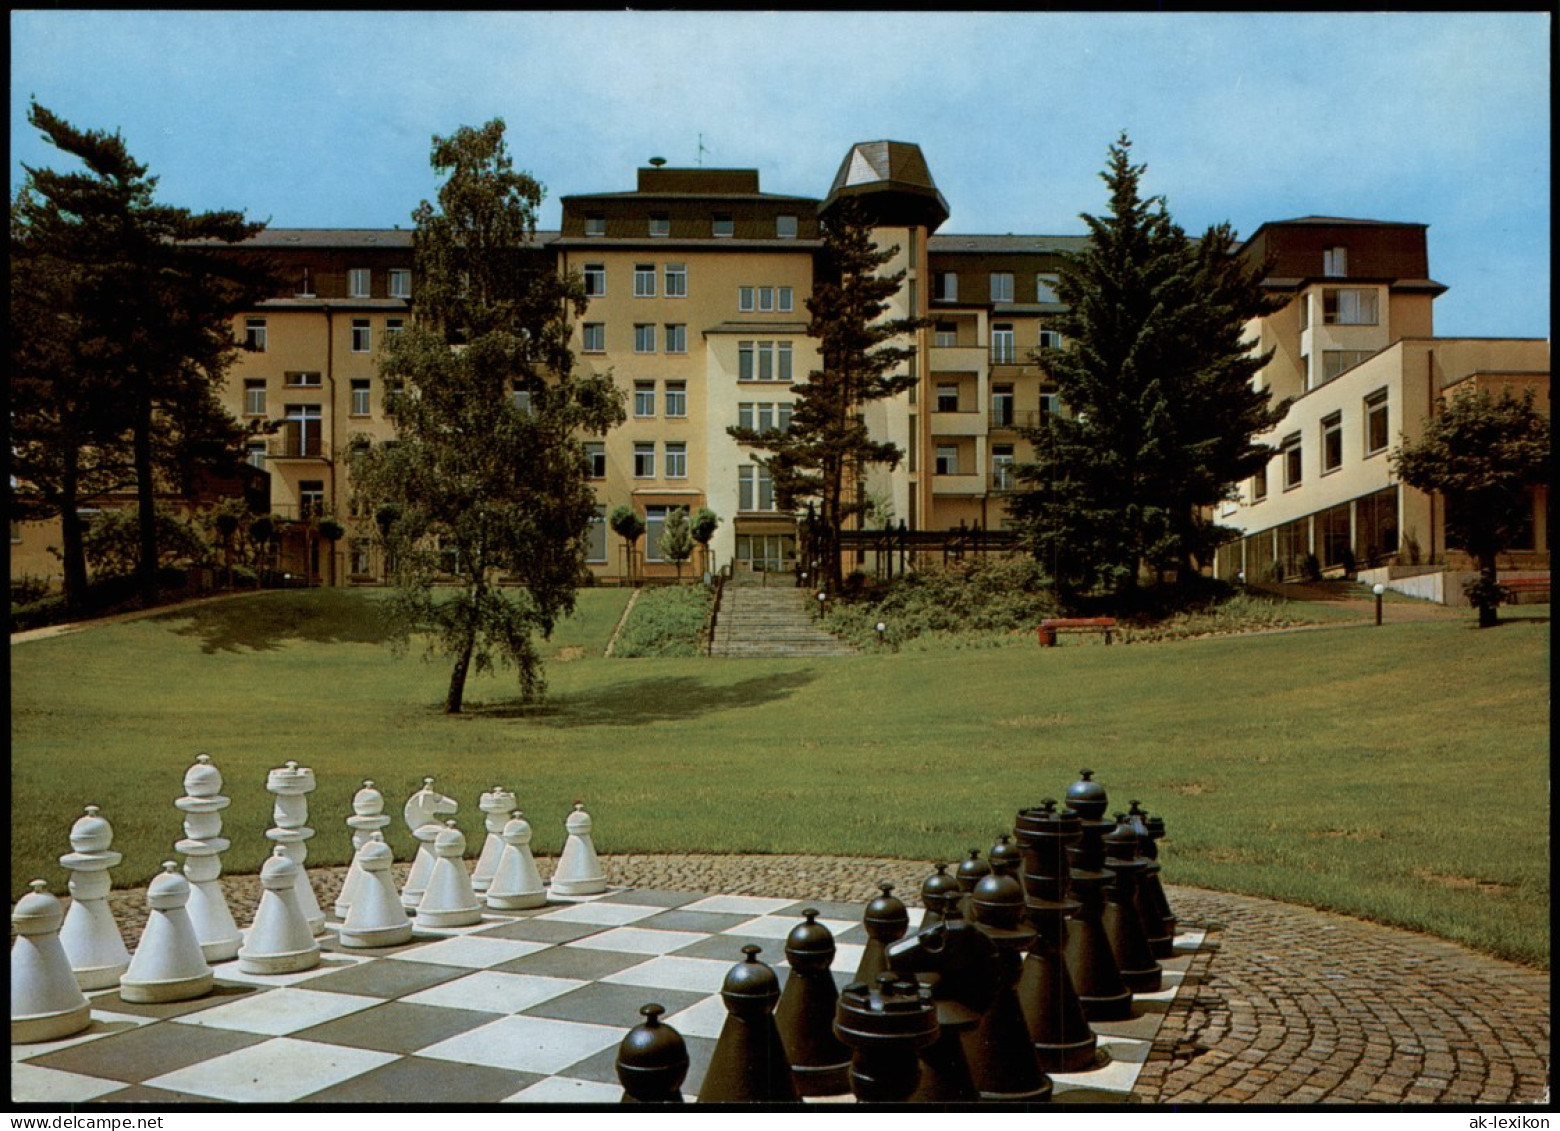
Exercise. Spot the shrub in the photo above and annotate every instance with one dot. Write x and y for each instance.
(666, 620)
(37, 614)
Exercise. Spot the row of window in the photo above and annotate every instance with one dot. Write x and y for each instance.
(945, 286)
(673, 281)
(1345, 306)
(674, 460)
(257, 334)
(255, 393)
(723, 225)
(676, 399)
(1374, 420)
(1004, 402)
(593, 337)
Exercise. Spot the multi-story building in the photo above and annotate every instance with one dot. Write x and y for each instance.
(698, 283)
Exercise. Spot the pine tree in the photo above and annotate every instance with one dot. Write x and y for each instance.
(828, 446)
(484, 489)
(1485, 454)
(1156, 380)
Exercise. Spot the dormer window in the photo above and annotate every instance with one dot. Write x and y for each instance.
(595, 225)
(785, 227)
(1335, 262)
(725, 227)
(660, 224)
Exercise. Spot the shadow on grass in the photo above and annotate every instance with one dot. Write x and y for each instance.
(672, 699)
(264, 622)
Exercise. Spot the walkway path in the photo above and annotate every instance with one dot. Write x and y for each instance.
(776, 622)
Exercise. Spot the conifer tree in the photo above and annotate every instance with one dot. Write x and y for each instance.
(1155, 379)
(827, 448)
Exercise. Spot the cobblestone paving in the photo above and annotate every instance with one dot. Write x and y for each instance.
(1287, 1005)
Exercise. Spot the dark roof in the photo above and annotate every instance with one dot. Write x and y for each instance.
(950, 242)
(1340, 221)
(891, 175)
(653, 196)
(351, 238)
(682, 243)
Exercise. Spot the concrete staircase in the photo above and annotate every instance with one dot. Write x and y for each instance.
(769, 623)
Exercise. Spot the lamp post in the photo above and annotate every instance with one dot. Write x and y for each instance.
(882, 632)
(1378, 589)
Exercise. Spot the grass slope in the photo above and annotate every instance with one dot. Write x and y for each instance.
(1396, 773)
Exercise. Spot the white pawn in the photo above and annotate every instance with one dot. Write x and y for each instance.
(421, 814)
(578, 871)
(292, 785)
(46, 1002)
(202, 847)
(495, 804)
(368, 817)
(90, 936)
(376, 917)
(279, 940)
(168, 963)
(449, 900)
(516, 884)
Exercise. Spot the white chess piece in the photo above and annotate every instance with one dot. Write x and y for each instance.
(292, 785)
(516, 884)
(449, 900)
(368, 817)
(90, 936)
(46, 1002)
(578, 871)
(495, 805)
(376, 917)
(421, 814)
(279, 940)
(168, 964)
(202, 846)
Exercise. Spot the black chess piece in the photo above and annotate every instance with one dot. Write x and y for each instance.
(885, 1026)
(1062, 1038)
(932, 890)
(970, 872)
(820, 1064)
(886, 920)
(958, 964)
(1090, 960)
(652, 1061)
(749, 1064)
(1123, 925)
(1001, 1052)
(1005, 857)
(1158, 920)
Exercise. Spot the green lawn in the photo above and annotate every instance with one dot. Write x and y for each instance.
(1399, 773)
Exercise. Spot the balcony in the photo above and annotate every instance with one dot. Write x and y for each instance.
(957, 359)
(1014, 419)
(958, 424)
(958, 485)
(294, 441)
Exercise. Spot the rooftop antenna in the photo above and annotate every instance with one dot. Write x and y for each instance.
(702, 151)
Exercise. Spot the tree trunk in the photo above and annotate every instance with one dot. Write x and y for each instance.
(73, 551)
(146, 500)
(457, 692)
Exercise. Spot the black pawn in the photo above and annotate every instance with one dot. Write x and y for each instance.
(1005, 857)
(1000, 1050)
(885, 1026)
(1123, 925)
(652, 1061)
(933, 888)
(1091, 962)
(970, 873)
(886, 920)
(749, 1064)
(1158, 920)
(820, 1064)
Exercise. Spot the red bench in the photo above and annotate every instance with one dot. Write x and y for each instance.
(1050, 627)
(1519, 585)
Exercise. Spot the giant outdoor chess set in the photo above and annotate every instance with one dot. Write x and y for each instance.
(1040, 973)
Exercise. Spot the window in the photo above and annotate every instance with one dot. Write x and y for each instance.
(1259, 484)
(644, 280)
(660, 224)
(306, 289)
(1332, 442)
(655, 524)
(303, 430)
(676, 280)
(785, 227)
(945, 286)
(595, 337)
(677, 460)
(744, 361)
(595, 280)
(596, 225)
(1002, 467)
(766, 361)
(393, 326)
(362, 336)
(676, 337)
(644, 460)
(766, 299)
(359, 556)
(311, 498)
(783, 361)
(644, 398)
(644, 337)
(947, 459)
(254, 334)
(1002, 405)
(1335, 362)
(596, 537)
(947, 398)
(400, 283)
(1050, 339)
(254, 454)
(1376, 422)
(302, 380)
(1342, 307)
(1305, 312)
(358, 282)
(1002, 351)
(677, 398)
(724, 227)
(254, 397)
(1045, 287)
(1290, 451)
(755, 489)
(945, 335)
(521, 398)
(1001, 286)
(360, 405)
(1050, 404)
(1335, 262)
(596, 459)
(745, 298)
(784, 296)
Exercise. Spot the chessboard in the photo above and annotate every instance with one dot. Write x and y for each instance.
(526, 1007)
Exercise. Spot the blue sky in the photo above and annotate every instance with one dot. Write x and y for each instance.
(324, 119)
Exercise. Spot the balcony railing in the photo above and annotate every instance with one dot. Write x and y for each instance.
(293, 441)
